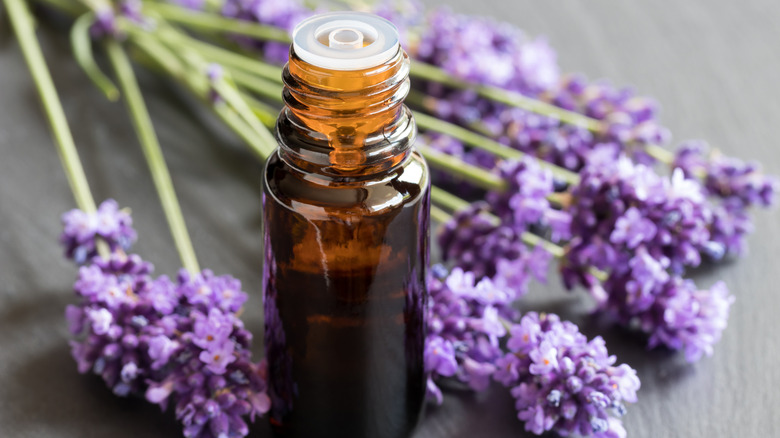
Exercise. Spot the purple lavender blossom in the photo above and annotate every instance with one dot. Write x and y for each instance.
(464, 326)
(672, 311)
(726, 177)
(733, 186)
(214, 73)
(620, 205)
(178, 341)
(483, 51)
(105, 23)
(475, 243)
(81, 231)
(524, 202)
(196, 5)
(208, 291)
(562, 382)
(461, 45)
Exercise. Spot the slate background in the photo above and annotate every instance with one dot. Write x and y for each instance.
(713, 64)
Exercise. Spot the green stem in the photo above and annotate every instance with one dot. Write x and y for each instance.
(82, 50)
(203, 21)
(450, 201)
(212, 22)
(224, 57)
(478, 141)
(154, 156)
(242, 108)
(261, 87)
(459, 168)
(660, 153)
(69, 7)
(266, 113)
(198, 85)
(22, 22)
(454, 203)
(439, 215)
(429, 72)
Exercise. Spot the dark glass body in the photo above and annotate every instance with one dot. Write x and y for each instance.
(346, 219)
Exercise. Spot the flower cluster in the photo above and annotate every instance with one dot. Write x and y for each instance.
(620, 207)
(645, 230)
(562, 382)
(480, 244)
(177, 340)
(464, 327)
(82, 230)
(672, 311)
(485, 52)
(524, 204)
(628, 118)
(733, 185)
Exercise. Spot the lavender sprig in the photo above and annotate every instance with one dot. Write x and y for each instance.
(733, 187)
(474, 242)
(82, 231)
(620, 205)
(464, 326)
(180, 341)
(564, 383)
(561, 381)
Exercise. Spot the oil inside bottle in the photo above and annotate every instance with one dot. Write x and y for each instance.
(346, 216)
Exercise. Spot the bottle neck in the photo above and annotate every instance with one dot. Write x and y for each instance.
(345, 123)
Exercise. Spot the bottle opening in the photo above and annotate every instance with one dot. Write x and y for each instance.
(345, 40)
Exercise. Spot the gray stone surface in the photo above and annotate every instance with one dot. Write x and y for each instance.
(712, 63)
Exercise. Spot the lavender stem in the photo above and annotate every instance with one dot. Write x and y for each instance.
(153, 154)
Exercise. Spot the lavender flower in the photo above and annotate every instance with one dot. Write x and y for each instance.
(81, 231)
(475, 157)
(178, 341)
(214, 74)
(726, 177)
(464, 326)
(466, 47)
(483, 51)
(672, 311)
(113, 315)
(475, 243)
(105, 23)
(562, 382)
(524, 203)
(734, 187)
(620, 205)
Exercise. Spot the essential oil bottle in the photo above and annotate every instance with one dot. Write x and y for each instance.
(346, 216)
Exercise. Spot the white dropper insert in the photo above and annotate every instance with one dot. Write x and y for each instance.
(346, 40)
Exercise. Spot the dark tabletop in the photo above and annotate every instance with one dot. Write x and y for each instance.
(713, 64)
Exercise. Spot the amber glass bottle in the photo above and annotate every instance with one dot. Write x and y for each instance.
(346, 208)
